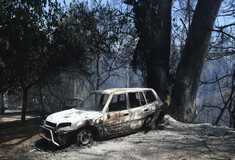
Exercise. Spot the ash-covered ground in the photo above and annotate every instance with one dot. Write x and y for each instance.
(172, 140)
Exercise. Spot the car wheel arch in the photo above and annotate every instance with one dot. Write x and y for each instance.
(93, 129)
(147, 120)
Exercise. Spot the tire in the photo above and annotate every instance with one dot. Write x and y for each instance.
(147, 123)
(160, 117)
(84, 137)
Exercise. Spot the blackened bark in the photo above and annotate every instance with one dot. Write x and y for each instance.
(159, 47)
(183, 104)
(41, 102)
(233, 115)
(2, 103)
(227, 103)
(24, 105)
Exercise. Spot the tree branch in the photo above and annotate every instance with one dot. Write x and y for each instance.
(217, 80)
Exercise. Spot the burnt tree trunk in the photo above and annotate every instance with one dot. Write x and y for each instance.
(183, 106)
(2, 103)
(233, 115)
(24, 105)
(41, 102)
(159, 47)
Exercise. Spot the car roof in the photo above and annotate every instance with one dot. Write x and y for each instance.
(122, 90)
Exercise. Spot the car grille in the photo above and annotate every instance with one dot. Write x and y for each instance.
(52, 125)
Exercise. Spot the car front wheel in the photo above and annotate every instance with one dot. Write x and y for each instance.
(84, 137)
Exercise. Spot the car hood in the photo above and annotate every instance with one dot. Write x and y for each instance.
(73, 115)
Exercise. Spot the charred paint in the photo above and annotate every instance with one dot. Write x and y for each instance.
(107, 123)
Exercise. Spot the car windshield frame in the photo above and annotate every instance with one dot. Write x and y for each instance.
(70, 102)
(94, 102)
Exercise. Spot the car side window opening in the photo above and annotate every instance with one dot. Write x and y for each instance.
(142, 100)
(118, 103)
(136, 99)
(150, 97)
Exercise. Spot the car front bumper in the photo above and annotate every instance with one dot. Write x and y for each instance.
(59, 139)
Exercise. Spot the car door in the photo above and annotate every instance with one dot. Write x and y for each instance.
(139, 110)
(117, 119)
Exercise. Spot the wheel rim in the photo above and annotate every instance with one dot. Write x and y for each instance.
(147, 122)
(85, 137)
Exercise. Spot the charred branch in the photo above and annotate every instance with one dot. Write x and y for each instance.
(216, 81)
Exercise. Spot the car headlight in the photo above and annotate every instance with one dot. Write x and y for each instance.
(63, 125)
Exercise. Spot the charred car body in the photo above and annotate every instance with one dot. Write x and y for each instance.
(103, 114)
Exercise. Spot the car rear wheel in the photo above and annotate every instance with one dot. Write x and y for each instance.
(147, 122)
(160, 118)
(84, 137)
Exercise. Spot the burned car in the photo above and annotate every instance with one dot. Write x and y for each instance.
(103, 114)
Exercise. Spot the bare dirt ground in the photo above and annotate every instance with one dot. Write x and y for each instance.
(17, 137)
(172, 140)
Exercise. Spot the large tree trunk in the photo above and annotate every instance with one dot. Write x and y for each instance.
(233, 115)
(41, 102)
(183, 105)
(2, 103)
(24, 105)
(159, 47)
